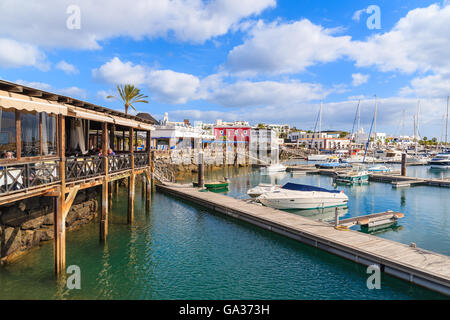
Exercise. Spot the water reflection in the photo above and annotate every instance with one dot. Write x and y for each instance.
(324, 214)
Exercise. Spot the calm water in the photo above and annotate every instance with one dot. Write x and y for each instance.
(181, 251)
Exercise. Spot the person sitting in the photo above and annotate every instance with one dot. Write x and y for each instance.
(8, 155)
(111, 152)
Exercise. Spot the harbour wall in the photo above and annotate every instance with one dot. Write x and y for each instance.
(27, 223)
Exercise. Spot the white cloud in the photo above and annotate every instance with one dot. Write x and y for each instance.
(417, 43)
(278, 48)
(359, 79)
(172, 87)
(74, 92)
(15, 54)
(164, 85)
(117, 72)
(67, 67)
(43, 23)
(429, 86)
(357, 15)
(244, 94)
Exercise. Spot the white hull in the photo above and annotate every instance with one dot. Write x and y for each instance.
(317, 157)
(275, 168)
(302, 199)
(262, 188)
(440, 167)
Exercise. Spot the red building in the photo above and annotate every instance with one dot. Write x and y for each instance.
(232, 133)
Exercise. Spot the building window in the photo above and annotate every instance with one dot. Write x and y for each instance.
(49, 144)
(31, 142)
(7, 133)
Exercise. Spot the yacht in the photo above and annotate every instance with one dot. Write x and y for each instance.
(262, 188)
(277, 167)
(380, 168)
(299, 196)
(332, 164)
(440, 161)
(318, 157)
(355, 176)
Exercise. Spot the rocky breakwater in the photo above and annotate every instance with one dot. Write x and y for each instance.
(27, 223)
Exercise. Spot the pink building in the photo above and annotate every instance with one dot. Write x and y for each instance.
(235, 133)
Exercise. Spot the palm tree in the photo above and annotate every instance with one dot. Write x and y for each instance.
(129, 95)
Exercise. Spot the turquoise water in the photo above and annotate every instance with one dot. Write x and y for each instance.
(182, 251)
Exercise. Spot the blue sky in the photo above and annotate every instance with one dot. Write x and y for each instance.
(256, 60)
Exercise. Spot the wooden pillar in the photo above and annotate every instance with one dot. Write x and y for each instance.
(131, 180)
(18, 136)
(59, 223)
(201, 170)
(148, 172)
(105, 192)
(152, 169)
(404, 164)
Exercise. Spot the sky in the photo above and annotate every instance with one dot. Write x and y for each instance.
(269, 61)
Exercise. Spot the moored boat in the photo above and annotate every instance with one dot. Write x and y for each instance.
(277, 167)
(440, 161)
(380, 168)
(298, 196)
(353, 177)
(262, 188)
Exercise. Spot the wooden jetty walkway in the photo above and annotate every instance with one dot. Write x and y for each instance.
(418, 266)
(393, 178)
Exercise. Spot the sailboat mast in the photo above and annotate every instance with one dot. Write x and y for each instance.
(446, 124)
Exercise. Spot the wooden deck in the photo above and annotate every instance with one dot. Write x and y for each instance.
(418, 266)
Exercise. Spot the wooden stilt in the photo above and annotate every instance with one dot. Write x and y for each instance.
(148, 199)
(104, 213)
(59, 224)
(131, 194)
(105, 187)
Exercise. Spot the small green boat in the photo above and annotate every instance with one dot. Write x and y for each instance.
(214, 185)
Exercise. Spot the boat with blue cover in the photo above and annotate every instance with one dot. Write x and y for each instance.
(300, 196)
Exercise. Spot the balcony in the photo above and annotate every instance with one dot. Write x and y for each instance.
(81, 168)
(141, 160)
(119, 162)
(24, 176)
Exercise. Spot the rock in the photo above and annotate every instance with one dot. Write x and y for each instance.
(11, 241)
(33, 223)
(45, 234)
(48, 219)
(29, 239)
(13, 217)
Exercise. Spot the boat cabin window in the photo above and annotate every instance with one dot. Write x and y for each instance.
(8, 145)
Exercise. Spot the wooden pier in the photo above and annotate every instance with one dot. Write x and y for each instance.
(418, 266)
(394, 178)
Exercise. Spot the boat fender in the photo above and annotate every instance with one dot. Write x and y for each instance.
(342, 228)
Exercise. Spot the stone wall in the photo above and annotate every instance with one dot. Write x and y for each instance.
(25, 224)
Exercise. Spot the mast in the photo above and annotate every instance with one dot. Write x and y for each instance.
(320, 123)
(446, 124)
(417, 127)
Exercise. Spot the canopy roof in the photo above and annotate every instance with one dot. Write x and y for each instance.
(21, 97)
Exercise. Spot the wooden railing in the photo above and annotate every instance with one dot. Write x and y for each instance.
(84, 167)
(23, 176)
(140, 160)
(119, 162)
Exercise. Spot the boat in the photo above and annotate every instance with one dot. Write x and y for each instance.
(318, 157)
(262, 188)
(440, 161)
(333, 164)
(299, 196)
(358, 159)
(214, 185)
(277, 167)
(380, 168)
(359, 176)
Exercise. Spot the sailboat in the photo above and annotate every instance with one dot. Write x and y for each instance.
(318, 157)
(442, 160)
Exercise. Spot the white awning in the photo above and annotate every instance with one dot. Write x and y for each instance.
(30, 104)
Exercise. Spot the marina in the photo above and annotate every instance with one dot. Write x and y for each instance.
(432, 272)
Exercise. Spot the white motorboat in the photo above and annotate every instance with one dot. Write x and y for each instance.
(440, 161)
(298, 196)
(262, 188)
(380, 168)
(358, 159)
(277, 167)
(318, 157)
